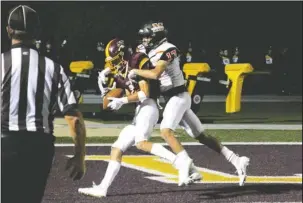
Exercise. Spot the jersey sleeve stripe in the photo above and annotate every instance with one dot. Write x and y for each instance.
(142, 62)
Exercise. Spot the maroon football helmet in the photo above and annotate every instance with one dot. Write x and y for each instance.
(116, 55)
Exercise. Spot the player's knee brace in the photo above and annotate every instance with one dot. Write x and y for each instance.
(126, 138)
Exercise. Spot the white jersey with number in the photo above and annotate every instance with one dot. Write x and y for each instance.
(172, 76)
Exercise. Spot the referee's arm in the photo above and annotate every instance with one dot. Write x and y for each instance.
(68, 106)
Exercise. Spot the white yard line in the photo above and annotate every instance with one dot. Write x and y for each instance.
(191, 144)
(95, 99)
(207, 126)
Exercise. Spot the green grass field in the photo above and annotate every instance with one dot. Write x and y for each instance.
(279, 113)
(251, 113)
(222, 135)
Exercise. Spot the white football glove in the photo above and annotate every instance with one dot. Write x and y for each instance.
(131, 74)
(103, 75)
(102, 81)
(105, 90)
(116, 103)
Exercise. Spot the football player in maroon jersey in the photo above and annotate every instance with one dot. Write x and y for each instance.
(144, 92)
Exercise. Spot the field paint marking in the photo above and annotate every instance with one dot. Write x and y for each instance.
(206, 126)
(139, 168)
(188, 144)
(164, 172)
(95, 99)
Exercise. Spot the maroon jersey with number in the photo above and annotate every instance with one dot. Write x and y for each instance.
(138, 61)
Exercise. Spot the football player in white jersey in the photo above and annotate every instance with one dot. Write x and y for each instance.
(143, 92)
(141, 48)
(164, 56)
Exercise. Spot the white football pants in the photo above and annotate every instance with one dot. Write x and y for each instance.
(178, 112)
(146, 117)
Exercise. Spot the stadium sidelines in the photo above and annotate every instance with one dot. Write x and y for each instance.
(207, 126)
(189, 144)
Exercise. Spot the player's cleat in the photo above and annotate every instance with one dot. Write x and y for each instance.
(95, 191)
(184, 172)
(241, 169)
(194, 175)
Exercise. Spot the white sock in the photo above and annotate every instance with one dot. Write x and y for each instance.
(110, 174)
(230, 155)
(180, 159)
(162, 152)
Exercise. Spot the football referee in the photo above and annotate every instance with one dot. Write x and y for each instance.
(31, 86)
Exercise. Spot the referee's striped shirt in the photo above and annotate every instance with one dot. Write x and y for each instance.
(31, 86)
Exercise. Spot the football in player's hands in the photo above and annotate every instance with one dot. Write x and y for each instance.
(116, 93)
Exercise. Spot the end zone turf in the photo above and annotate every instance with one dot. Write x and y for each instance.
(222, 135)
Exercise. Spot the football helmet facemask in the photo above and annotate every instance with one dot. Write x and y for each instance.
(116, 55)
(152, 34)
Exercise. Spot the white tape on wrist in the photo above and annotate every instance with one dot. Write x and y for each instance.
(124, 100)
(141, 96)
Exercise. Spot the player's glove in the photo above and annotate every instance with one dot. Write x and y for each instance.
(102, 79)
(103, 75)
(117, 103)
(105, 90)
(131, 74)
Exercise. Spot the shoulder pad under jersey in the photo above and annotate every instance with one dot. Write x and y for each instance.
(138, 60)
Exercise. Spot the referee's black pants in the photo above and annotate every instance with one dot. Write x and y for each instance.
(26, 160)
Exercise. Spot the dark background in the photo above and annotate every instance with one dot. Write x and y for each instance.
(251, 26)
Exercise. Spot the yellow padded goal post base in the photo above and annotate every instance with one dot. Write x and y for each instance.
(80, 66)
(236, 74)
(193, 69)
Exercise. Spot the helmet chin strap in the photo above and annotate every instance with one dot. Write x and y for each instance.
(163, 40)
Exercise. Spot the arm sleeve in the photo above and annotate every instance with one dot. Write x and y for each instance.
(144, 64)
(66, 97)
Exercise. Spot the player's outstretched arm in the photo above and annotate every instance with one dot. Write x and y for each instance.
(152, 73)
(141, 95)
(164, 60)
